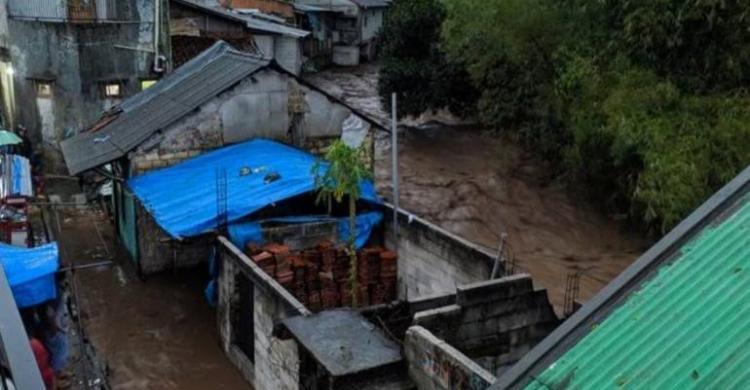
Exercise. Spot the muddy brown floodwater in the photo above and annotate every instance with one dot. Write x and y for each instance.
(154, 334)
(480, 187)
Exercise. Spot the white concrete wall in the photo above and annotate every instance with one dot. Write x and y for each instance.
(288, 53)
(436, 365)
(372, 22)
(276, 361)
(432, 261)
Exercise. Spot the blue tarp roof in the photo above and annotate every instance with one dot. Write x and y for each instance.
(183, 198)
(31, 272)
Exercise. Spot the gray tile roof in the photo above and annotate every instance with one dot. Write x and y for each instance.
(141, 115)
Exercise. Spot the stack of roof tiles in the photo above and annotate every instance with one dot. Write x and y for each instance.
(320, 277)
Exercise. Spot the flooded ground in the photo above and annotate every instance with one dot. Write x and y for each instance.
(480, 187)
(153, 334)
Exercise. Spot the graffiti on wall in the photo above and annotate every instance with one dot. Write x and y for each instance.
(449, 373)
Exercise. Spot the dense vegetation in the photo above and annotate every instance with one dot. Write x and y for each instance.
(645, 101)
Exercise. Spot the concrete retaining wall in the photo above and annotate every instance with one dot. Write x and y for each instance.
(494, 322)
(434, 364)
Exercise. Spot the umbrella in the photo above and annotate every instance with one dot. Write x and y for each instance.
(8, 138)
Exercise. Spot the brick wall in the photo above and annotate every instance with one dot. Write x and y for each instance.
(145, 162)
(434, 364)
(494, 322)
(156, 254)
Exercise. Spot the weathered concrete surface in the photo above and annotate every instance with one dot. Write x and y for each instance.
(435, 364)
(494, 322)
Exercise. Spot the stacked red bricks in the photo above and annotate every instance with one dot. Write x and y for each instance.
(319, 277)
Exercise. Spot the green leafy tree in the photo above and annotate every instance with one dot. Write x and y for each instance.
(414, 65)
(340, 179)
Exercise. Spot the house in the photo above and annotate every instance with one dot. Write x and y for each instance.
(219, 98)
(195, 27)
(356, 27)
(70, 59)
(676, 318)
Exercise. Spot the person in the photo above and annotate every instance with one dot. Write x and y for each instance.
(41, 355)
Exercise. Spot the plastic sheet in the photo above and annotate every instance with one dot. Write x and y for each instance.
(31, 272)
(251, 232)
(184, 198)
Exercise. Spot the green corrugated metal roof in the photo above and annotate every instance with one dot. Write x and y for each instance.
(688, 327)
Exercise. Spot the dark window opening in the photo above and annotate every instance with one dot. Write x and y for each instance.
(244, 326)
(43, 89)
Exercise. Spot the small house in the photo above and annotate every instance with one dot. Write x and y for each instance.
(222, 97)
(355, 29)
(195, 27)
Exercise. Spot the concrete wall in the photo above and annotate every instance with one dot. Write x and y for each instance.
(433, 261)
(434, 364)
(494, 322)
(277, 361)
(288, 53)
(256, 107)
(79, 59)
(157, 255)
(371, 22)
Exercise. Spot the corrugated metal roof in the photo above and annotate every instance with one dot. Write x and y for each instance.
(686, 327)
(258, 23)
(184, 90)
(372, 3)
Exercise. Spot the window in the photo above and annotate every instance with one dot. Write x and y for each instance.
(43, 89)
(113, 90)
(146, 84)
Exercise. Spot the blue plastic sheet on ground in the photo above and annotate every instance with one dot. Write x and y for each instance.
(31, 272)
(251, 232)
(184, 198)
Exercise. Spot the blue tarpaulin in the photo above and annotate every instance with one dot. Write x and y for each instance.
(242, 233)
(31, 272)
(183, 198)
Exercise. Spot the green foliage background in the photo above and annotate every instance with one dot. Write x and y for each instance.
(644, 101)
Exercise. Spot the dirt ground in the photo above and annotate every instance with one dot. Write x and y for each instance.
(154, 334)
(479, 187)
